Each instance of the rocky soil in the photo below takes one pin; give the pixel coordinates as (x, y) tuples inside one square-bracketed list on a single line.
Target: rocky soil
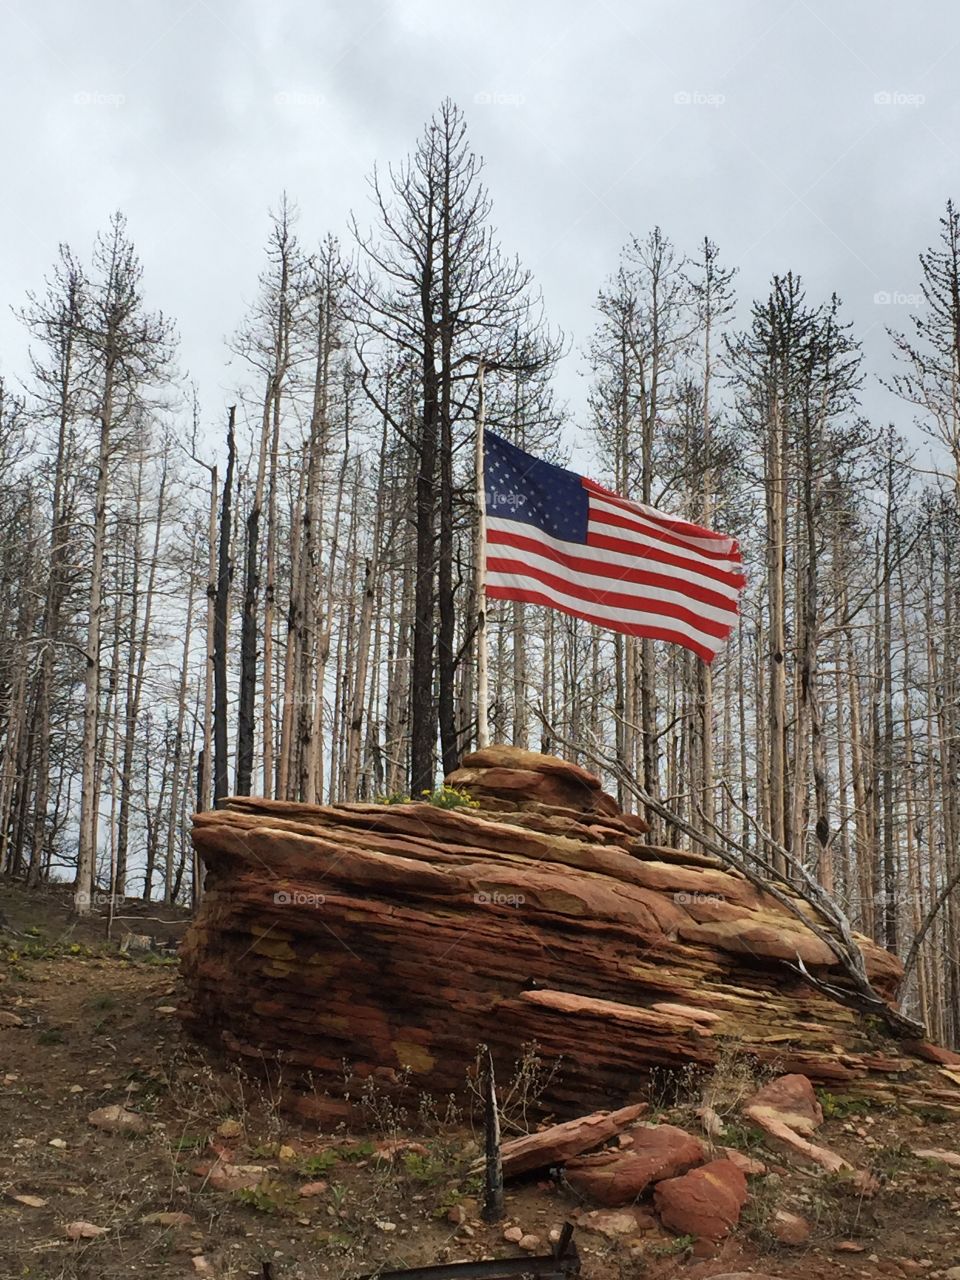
[(126, 1151)]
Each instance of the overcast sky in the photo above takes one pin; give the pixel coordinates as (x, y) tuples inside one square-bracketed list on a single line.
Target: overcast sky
[(817, 135)]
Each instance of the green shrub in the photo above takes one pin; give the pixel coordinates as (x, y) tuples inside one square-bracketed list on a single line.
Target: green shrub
[(450, 798)]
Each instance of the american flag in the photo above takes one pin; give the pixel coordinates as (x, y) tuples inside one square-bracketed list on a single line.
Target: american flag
[(558, 539)]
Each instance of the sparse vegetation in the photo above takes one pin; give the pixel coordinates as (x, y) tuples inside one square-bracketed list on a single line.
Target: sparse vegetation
[(679, 1247), (269, 1196), (836, 1107), (310, 1166), (51, 1036), (519, 1096)]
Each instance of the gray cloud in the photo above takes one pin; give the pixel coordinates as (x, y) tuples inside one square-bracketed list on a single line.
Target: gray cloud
[(799, 135)]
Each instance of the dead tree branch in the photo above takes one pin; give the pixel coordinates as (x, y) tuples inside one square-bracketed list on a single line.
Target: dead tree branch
[(829, 924)]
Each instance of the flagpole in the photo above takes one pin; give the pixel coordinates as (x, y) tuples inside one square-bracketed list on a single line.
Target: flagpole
[(483, 729)]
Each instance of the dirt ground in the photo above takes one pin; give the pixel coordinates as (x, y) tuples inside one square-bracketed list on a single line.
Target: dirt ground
[(98, 1028)]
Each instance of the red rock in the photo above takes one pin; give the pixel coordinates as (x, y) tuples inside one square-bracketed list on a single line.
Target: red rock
[(117, 1119), (615, 1222), (562, 1141), (705, 1202), (932, 1052), (746, 1164), (790, 1228), (937, 1153), (233, 1177), (521, 777), (84, 1231), (792, 1100), (171, 1219), (849, 1246), (500, 756), (311, 1189), (398, 937), (786, 1109), (619, 1177)]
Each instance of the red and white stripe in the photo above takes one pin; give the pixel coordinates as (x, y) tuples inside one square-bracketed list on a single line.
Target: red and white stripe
[(640, 572)]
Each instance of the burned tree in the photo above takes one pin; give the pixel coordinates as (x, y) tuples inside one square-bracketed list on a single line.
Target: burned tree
[(438, 288)]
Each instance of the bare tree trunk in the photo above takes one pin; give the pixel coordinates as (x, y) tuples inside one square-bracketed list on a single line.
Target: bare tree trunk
[(139, 644), (89, 798), (246, 707), (324, 639), (177, 780), (858, 771), (133, 350), (891, 931), (204, 787), (267, 343), (221, 621), (50, 631), (288, 761), (776, 552), (370, 578), (309, 686), (268, 787)]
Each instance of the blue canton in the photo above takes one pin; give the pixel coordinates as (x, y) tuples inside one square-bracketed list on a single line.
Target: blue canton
[(522, 488)]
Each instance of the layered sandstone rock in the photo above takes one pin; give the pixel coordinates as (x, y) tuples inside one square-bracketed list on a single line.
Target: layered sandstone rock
[(510, 778), (389, 941)]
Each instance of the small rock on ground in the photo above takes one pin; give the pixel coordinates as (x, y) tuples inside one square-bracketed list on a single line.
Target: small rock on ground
[(84, 1231), (117, 1119)]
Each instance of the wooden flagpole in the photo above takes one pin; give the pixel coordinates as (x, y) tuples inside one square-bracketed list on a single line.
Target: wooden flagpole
[(483, 729)]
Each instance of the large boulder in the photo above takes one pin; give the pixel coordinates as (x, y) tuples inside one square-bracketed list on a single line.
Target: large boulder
[(613, 1178), (705, 1202), (396, 938)]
